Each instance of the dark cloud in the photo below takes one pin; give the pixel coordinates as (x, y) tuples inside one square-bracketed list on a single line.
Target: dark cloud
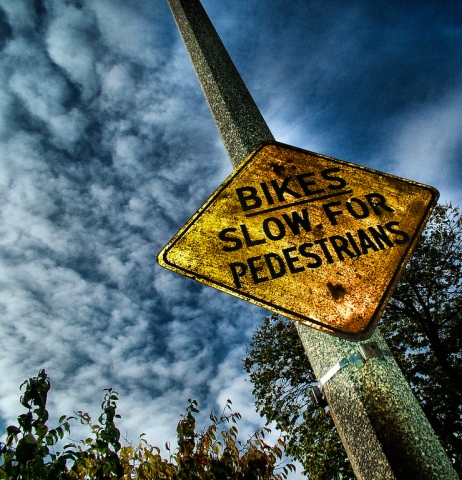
[(345, 67), (6, 32)]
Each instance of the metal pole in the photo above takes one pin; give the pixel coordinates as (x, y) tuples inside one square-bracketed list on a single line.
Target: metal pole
[(382, 426)]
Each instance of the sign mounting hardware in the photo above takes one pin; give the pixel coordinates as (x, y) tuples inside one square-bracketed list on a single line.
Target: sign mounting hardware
[(319, 240)]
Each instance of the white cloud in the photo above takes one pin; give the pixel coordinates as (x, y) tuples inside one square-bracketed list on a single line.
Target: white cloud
[(428, 144), (73, 43), (129, 29)]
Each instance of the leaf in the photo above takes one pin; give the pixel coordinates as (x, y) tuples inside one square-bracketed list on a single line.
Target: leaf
[(12, 430), (26, 449)]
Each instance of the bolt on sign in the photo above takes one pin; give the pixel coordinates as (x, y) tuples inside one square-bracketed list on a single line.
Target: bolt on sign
[(316, 239)]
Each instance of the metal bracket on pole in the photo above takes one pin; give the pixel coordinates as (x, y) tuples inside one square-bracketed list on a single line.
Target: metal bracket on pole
[(366, 351)]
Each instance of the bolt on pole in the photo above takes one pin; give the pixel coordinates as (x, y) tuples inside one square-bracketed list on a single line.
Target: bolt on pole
[(380, 422)]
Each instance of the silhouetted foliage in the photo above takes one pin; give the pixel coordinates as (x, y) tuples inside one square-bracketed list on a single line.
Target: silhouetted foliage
[(214, 453)]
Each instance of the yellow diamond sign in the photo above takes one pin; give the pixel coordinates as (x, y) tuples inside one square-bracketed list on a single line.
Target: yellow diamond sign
[(316, 239)]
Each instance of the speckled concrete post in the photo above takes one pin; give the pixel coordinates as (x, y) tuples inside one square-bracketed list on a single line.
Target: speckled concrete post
[(382, 426)]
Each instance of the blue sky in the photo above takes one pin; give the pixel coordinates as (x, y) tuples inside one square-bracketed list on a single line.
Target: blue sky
[(108, 147)]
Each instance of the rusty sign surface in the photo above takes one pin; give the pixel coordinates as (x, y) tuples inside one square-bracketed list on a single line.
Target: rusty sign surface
[(319, 240)]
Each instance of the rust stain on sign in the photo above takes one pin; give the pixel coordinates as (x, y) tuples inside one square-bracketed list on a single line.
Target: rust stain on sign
[(319, 240)]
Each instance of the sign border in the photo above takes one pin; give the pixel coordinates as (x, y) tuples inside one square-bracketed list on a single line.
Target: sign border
[(163, 260)]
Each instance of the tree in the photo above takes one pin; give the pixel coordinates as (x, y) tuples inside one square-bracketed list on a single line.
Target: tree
[(214, 453), (423, 328)]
